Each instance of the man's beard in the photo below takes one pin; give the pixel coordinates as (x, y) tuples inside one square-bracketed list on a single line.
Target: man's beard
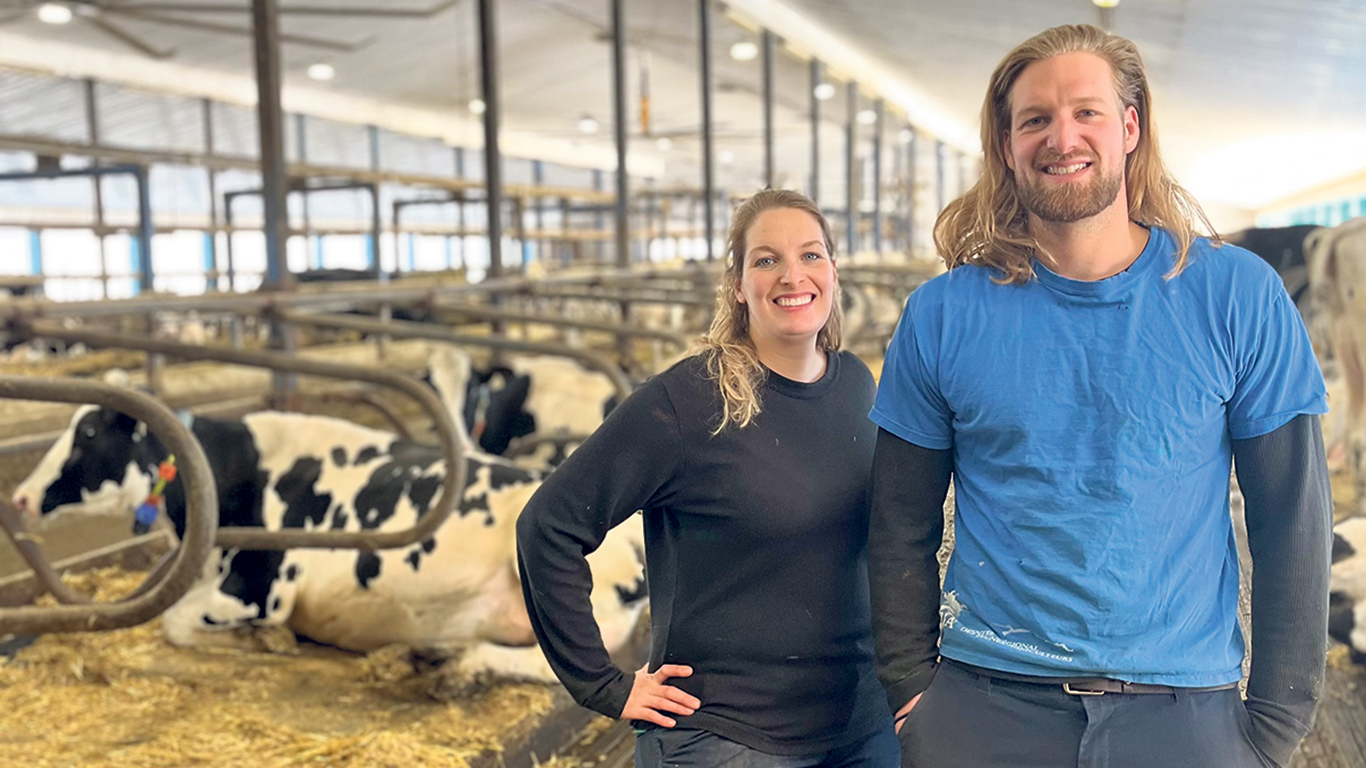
[(1066, 203)]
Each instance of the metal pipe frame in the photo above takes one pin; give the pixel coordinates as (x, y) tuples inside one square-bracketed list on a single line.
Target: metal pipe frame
[(622, 331), (256, 538), (880, 109), (144, 228), (92, 121), (623, 200), (304, 187), (211, 281), (270, 119), (768, 47), (301, 139), (201, 516), (638, 298), (404, 329), (816, 77), (493, 158), (708, 182), (850, 172)]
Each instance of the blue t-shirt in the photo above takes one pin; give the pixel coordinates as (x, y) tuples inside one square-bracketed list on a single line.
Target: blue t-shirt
[(1090, 424)]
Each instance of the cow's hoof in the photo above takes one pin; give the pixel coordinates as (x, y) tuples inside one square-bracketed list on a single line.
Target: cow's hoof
[(452, 683), (276, 639), (389, 664)]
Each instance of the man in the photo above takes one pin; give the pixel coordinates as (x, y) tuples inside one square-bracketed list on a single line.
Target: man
[(1086, 372)]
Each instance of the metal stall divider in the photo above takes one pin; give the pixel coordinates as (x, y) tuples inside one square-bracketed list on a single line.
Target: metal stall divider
[(256, 538), (164, 586)]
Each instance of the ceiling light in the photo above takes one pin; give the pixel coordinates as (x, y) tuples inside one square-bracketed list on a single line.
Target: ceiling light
[(588, 124), (744, 51), (477, 106), (664, 143), (907, 135), (1105, 3), (824, 91), (867, 117), (727, 157), (322, 71), (54, 13)]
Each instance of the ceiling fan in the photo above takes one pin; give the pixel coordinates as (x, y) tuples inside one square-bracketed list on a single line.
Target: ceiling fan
[(111, 17)]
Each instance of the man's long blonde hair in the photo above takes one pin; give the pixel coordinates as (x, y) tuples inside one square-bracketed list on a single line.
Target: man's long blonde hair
[(988, 224), (731, 358)]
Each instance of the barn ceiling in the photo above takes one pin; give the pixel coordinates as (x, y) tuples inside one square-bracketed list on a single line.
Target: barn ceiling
[(1256, 98)]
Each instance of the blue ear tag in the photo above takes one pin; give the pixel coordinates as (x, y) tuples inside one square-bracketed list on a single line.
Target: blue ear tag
[(144, 517)]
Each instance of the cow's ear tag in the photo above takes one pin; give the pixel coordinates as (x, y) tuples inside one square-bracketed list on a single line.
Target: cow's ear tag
[(147, 512)]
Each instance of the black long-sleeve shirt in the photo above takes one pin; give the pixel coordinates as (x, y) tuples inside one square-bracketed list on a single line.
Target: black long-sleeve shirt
[(1288, 507), (756, 543)]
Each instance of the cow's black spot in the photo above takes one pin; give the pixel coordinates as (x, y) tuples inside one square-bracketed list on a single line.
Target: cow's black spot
[(366, 455), (639, 591), (339, 456), (414, 558), (102, 447), (1341, 617), (292, 573), (422, 491), (302, 502), (339, 520), (367, 568), (429, 545), (275, 605), (1342, 549), (250, 577)]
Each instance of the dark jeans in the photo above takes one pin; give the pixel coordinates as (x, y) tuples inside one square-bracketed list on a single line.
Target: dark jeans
[(968, 720), (693, 748)]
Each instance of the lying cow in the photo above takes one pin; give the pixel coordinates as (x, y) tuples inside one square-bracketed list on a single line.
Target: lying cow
[(1347, 587), (548, 397), (455, 595), (1337, 279)]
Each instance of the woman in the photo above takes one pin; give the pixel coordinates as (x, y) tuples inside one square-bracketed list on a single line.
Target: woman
[(750, 462)]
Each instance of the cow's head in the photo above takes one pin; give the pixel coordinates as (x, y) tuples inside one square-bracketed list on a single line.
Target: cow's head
[(98, 465)]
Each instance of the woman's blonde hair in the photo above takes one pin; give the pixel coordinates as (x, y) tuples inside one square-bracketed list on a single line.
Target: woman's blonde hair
[(988, 224), (730, 355)]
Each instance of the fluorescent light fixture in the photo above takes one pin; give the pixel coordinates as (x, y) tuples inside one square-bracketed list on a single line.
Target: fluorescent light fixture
[(54, 13), (867, 117), (906, 135), (824, 91), (322, 71), (727, 157), (1105, 3), (588, 124), (664, 143), (477, 106), (744, 51)]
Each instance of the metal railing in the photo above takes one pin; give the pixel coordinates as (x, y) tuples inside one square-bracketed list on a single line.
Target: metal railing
[(165, 585)]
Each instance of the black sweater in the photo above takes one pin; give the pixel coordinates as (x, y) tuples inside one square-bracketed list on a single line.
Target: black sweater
[(1288, 506), (756, 544)]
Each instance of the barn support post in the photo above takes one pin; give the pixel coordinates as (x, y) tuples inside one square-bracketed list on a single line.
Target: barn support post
[(708, 182)]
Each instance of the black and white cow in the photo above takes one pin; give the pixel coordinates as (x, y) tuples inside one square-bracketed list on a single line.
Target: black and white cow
[(1281, 247), (455, 595), (1347, 586), (549, 397)]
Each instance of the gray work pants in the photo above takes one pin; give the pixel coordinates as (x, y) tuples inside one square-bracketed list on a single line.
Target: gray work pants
[(969, 720)]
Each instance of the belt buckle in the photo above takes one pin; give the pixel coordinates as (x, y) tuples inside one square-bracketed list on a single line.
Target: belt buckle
[(1067, 688)]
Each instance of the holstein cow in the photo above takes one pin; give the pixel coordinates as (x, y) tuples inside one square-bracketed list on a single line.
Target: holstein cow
[(536, 396), (1337, 277), (454, 596), (1282, 248), (1347, 587)]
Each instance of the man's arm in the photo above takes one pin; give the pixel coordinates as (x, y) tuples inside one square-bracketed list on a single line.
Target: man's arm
[(905, 531), (1284, 479)]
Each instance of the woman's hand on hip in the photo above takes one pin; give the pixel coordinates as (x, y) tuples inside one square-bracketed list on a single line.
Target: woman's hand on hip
[(652, 696), (905, 712)]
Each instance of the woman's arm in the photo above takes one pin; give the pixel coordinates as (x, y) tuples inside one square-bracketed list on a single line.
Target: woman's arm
[(626, 465)]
